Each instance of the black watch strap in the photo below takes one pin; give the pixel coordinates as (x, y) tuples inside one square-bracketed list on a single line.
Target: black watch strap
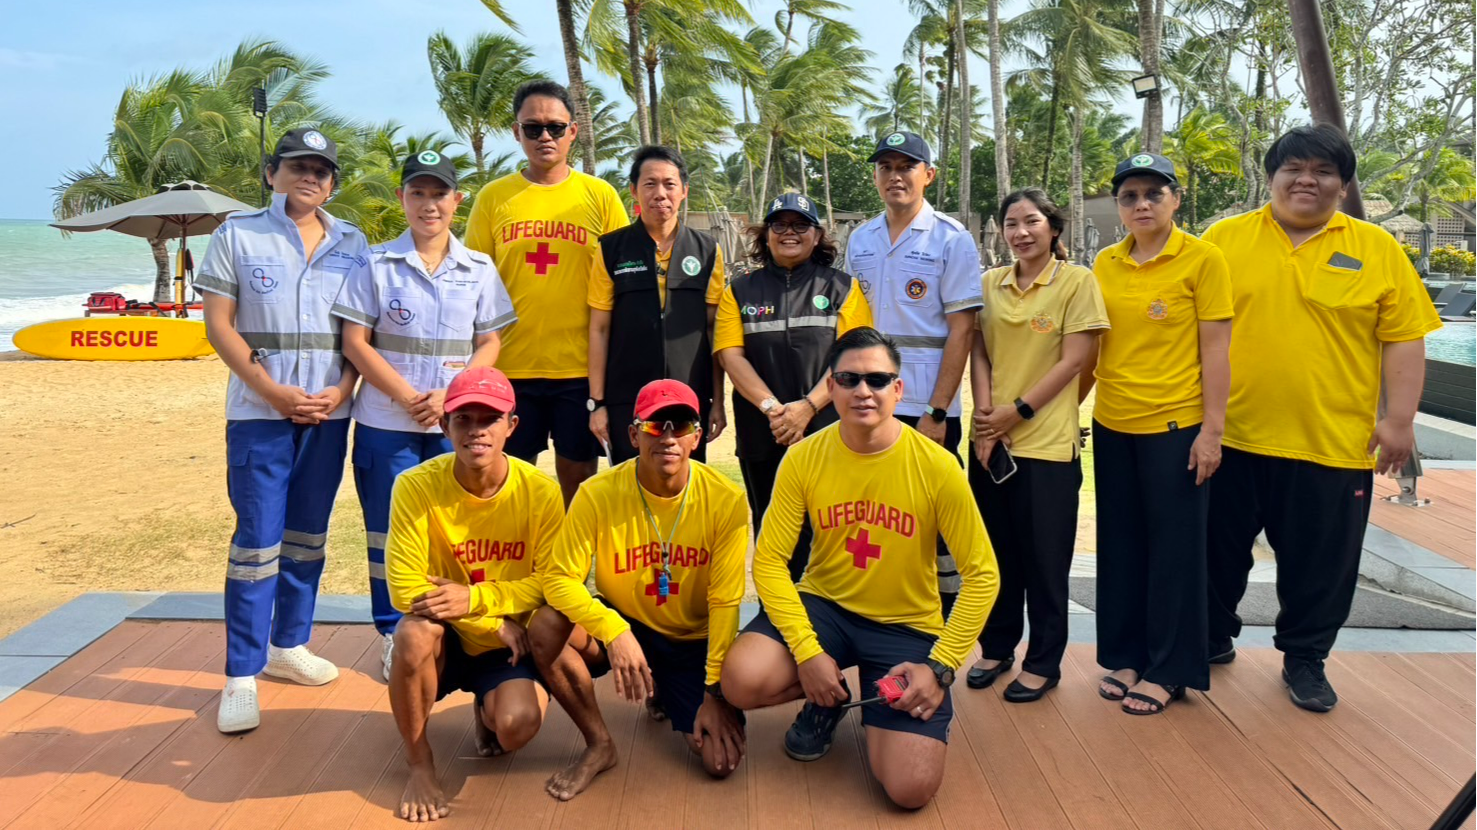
[(714, 689), (942, 673), (1024, 408), (938, 415)]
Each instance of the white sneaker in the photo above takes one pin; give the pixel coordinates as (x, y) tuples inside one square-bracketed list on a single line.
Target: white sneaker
[(238, 709), (300, 666), (387, 653)]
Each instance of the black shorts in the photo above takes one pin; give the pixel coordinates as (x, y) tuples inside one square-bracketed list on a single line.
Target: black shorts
[(874, 648), (678, 667), (480, 674), (553, 408)]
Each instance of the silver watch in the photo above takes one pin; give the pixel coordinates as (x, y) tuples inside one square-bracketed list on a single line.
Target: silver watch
[(769, 403)]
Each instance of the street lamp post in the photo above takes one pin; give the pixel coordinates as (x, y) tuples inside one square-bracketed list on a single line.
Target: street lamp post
[(259, 109)]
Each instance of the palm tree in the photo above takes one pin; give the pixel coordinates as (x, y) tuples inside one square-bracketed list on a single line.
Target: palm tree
[(816, 11), (475, 86), (997, 101), (577, 88), (966, 109), (1203, 143), (1151, 35), (897, 105)]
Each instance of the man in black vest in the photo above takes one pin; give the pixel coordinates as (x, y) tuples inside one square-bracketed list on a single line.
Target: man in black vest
[(649, 321)]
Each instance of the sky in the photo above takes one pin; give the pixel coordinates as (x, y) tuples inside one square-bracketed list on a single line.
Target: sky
[(63, 65)]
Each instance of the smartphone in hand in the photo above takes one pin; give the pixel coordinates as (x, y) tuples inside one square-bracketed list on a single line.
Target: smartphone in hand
[(1002, 463)]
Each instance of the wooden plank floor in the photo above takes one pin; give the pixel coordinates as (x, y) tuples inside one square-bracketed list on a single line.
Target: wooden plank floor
[(1448, 525), (123, 735)]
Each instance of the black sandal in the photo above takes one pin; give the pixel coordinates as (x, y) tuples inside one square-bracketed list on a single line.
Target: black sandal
[(1115, 683), (983, 678), (1175, 693)]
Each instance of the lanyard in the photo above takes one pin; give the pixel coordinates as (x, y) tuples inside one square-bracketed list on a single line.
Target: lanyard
[(664, 579)]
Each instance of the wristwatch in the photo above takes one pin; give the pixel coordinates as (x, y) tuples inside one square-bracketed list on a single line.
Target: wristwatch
[(714, 689), (1024, 408), (943, 673), (769, 403), (938, 415), (593, 404)]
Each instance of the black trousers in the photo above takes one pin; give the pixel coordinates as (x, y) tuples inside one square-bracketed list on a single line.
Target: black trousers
[(759, 476), (1315, 518), (1032, 522), (948, 571), (620, 418), (1151, 556)]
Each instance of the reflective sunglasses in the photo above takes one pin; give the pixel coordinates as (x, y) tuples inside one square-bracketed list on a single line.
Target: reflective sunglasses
[(657, 429), (532, 130), (877, 380), (1153, 197), (797, 228)]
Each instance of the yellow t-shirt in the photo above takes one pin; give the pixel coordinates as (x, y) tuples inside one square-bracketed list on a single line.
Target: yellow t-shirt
[(602, 287), (1023, 336), (608, 525), (544, 240), (876, 519), (439, 529), (1310, 321), (728, 326), (1148, 368)]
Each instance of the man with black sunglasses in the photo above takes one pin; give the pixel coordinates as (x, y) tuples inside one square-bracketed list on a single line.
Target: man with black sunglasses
[(878, 494), (668, 537), (542, 227)]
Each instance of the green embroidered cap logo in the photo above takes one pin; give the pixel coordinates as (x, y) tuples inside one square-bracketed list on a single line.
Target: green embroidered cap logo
[(1142, 160), (821, 302), (895, 139), (690, 266), (429, 157)]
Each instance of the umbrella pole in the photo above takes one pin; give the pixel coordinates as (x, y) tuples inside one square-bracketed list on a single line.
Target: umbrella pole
[(179, 277)]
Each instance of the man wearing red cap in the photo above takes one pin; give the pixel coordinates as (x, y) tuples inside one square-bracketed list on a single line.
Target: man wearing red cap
[(466, 529), (668, 536)]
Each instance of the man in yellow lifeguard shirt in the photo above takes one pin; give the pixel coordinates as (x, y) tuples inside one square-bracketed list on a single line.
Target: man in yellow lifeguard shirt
[(1325, 306), (668, 537), (542, 227), (878, 494), (465, 531)]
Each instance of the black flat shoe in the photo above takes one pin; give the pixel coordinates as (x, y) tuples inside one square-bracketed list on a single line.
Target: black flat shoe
[(982, 678), (1018, 692), (1222, 652)]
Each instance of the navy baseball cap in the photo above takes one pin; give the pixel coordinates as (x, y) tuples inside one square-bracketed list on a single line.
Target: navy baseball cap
[(1144, 163), (911, 145), (803, 205), (429, 163), (306, 141)]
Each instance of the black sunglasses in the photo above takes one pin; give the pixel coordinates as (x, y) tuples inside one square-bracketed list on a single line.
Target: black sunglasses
[(797, 228), (876, 380), (532, 130)]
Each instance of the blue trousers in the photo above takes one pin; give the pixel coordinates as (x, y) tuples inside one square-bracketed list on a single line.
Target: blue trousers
[(282, 479), (379, 456)]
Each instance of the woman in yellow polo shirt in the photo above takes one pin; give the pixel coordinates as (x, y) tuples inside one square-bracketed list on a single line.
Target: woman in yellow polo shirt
[(1163, 376), (1037, 329)]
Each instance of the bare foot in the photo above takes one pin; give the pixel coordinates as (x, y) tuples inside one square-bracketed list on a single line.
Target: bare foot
[(423, 799), (1127, 677), (483, 738), (574, 779)]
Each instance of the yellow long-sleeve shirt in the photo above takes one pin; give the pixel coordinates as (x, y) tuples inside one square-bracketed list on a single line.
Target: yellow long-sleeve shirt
[(608, 525), (439, 529), (876, 518)]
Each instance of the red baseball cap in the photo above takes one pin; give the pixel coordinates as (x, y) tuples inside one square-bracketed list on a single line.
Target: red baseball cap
[(480, 384), (660, 394)]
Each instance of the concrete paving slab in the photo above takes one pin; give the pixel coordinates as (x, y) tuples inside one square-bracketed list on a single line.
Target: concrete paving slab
[(16, 673), (70, 628)]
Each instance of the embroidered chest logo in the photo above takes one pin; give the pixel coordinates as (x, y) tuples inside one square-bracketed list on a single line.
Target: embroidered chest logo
[(866, 286), (821, 302), (862, 550), (1042, 323), (542, 259), (757, 310), (655, 588), (1158, 310), (690, 266), (917, 289), (399, 313), (261, 282)]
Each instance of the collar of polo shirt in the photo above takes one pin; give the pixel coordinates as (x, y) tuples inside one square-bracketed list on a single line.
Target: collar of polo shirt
[(1172, 247), (403, 247)]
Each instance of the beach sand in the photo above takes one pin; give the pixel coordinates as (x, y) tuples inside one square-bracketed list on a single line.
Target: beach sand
[(114, 480)]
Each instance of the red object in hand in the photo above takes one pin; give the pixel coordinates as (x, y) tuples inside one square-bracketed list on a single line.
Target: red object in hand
[(891, 688)]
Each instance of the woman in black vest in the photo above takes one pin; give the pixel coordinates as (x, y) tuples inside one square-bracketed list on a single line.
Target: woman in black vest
[(774, 328)]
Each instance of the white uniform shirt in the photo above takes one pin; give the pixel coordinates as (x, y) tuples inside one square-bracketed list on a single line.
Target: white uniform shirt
[(932, 271), (283, 299), (424, 325)]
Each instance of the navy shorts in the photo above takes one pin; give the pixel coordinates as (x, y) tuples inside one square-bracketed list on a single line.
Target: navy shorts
[(479, 674), (874, 648), (556, 408), (678, 667)]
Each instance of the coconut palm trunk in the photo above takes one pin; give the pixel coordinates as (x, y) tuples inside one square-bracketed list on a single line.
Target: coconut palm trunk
[(652, 105), (577, 89), (764, 175), (162, 277), (1056, 97), (966, 115), (997, 103), (948, 108), (633, 53), (1079, 212), (1151, 23), (831, 215), (804, 191)]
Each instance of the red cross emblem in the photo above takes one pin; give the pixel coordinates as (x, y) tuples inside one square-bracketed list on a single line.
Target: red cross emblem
[(862, 549), (478, 576), (541, 259), (653, 591)]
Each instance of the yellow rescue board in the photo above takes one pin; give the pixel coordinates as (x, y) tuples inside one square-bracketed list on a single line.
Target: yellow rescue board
[(115, 338)]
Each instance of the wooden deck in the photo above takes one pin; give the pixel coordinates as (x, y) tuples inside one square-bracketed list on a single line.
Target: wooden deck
[(1447, 526), (123, 735)]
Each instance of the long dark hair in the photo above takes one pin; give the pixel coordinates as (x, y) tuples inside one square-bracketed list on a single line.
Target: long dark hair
[(1054, 215), (823, 255)]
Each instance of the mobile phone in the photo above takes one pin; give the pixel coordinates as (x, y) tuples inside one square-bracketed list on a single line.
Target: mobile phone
[(1002, 463)]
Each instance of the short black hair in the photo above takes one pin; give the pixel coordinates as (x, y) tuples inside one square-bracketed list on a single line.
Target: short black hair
[(546, 88), (863, 337), (825, 254), (656, 152), (1316, 142)]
